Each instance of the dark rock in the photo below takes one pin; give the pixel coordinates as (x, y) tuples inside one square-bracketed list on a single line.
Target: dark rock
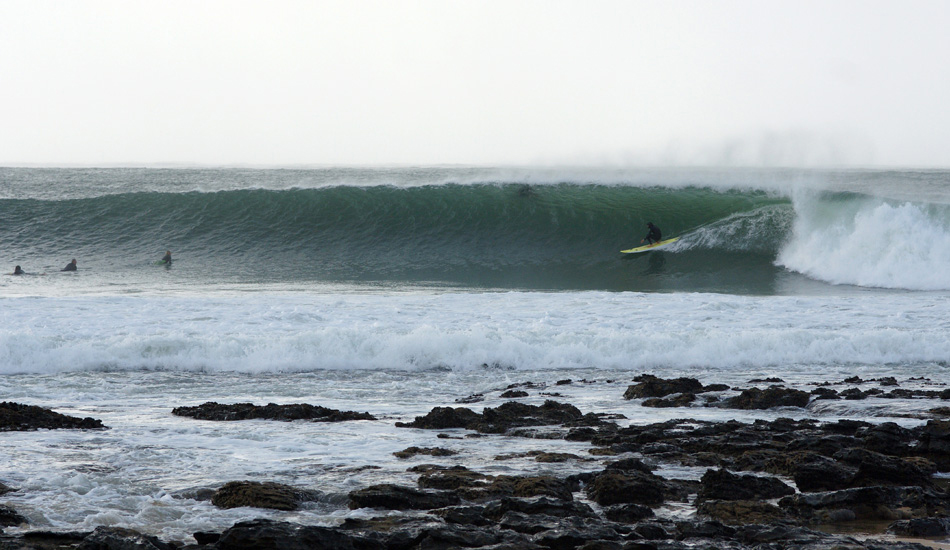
[(264, 534), (866, 503), (452, 478), (570, 533), (628, 513), (204, 537), (500, 419), (652, 531), (774, 396), (496, 509), (465, 515), (19, 417), (45, 540), (878, 469), (627, 487), (256, 494), (514, 394), (888, 438), (920, 527), (117, 538), (770, 380), (825, 393), (681, 400), (525, 487), (10, 517), (888, 381), (724, 485), (442, 418), (271, 411), (741, 512), (935, 443), (4, 489), (431, 451), (651, 386), (397, 497), (822, 474), (703, 530), (629, 465)]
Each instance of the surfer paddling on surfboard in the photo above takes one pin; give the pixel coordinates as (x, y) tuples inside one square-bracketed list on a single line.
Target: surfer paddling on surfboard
[(653, 235)]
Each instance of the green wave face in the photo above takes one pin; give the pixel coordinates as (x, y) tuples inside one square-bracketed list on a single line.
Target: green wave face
[(563, 236)]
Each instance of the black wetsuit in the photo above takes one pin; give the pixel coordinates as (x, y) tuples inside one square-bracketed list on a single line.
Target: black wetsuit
[(654, 235), (167, 259), (18, 271), (70, 267)]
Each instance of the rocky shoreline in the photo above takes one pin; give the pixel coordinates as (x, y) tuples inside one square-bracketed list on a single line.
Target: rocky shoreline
[(768, 484)]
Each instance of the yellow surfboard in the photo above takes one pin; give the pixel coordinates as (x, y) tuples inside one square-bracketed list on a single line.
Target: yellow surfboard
[(649, 247)]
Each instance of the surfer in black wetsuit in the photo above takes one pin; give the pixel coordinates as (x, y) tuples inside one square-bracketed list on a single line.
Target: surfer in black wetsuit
[(167, 259), (71, 266), (18, 271), (653, 235)]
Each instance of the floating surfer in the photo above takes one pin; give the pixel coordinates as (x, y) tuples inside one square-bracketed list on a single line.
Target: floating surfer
[(71, 266), (166, 259), (18, 271)]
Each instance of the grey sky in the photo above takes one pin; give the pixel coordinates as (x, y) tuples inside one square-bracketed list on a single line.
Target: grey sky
[(496, 82)]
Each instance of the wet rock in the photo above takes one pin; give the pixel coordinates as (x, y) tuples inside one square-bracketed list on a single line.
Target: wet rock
[(502, 418), (4, 489), (496, 509), (935, 443), (774, 396), (453, 478), (264, 534), (651, 386), (442, 418), (525, 486), (724, 485), (256, 494), (920, 527), (822, 474), (571, 533), (271, 411), (825, 393), (514, 394), (633, 487), (681, 400), (878, 469), (688, 530), (741, 512), (866, 503), (396, 497), (19, 417), (628, 513), (10, 517), (431, 451), (117, 538)]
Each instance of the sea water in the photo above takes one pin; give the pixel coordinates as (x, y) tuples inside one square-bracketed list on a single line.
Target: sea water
[(394, 291)]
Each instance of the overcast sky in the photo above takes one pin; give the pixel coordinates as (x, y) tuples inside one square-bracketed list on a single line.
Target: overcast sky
[(625, 82)]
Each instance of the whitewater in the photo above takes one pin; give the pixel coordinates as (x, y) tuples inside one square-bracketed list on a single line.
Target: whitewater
[(395, 290)]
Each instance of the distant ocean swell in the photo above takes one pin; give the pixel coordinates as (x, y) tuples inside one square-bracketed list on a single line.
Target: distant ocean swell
[(563, 236)]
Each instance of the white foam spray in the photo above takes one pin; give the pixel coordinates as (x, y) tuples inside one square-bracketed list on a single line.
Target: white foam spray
[(870, 242)]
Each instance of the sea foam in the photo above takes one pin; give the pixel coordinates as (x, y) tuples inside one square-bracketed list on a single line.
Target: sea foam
[(297, 333), (871, 242)]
